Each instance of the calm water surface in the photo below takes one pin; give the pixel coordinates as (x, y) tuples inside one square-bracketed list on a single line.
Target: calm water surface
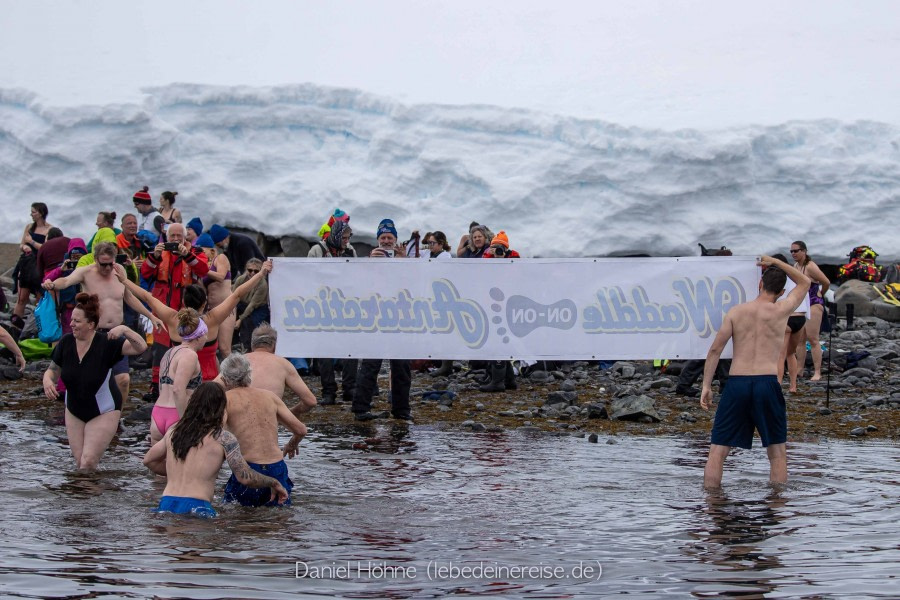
[(379, 508)]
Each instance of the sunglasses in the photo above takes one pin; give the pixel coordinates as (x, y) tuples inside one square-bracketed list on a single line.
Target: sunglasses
[(104, 265), (253, 271), (795, 251)]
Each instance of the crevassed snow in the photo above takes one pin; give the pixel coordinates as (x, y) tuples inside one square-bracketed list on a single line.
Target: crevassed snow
[(280, 159)]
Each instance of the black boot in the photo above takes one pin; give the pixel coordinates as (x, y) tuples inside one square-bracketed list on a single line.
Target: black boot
[(510, 378), (498, 375)]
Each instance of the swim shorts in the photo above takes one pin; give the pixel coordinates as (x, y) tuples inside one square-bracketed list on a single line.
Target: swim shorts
[(121, 367), (235, 491), (748, 402), (186, 506), (796, 323)]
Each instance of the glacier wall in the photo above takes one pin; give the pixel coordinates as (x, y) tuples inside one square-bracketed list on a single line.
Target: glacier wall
[(280, 159)]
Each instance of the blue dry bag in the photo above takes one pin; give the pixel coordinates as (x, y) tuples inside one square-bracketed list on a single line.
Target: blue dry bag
[(47, 319)]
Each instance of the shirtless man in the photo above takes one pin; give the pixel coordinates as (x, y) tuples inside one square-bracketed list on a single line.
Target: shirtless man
[(273, 373), (253, 417), (100, 279), (753, 396), (191, 453)]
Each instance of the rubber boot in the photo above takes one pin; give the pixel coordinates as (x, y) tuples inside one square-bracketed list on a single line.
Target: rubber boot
[(510, 379), (498, 375), (445, 369)]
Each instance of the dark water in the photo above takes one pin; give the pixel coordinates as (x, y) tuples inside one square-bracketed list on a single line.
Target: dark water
[(383, 516)]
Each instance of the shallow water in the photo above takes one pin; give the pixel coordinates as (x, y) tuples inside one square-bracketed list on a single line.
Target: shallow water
[(379, 508)]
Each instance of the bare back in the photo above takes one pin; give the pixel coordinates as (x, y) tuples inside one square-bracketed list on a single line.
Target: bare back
[(758, 333), (195, 476), (269, 371), (253, 419)]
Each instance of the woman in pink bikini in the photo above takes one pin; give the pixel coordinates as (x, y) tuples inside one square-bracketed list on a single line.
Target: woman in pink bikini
[(179, 374)]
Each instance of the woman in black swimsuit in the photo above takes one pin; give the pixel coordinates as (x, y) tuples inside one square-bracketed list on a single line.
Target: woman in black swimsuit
[(167, 207), (84, 360), (26, 276)]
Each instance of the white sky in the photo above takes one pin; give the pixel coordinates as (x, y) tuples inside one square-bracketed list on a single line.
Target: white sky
[(668, 64)]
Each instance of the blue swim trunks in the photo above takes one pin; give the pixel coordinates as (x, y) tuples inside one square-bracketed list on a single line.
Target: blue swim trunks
[(186, 506), (235, 491), (748, 402)]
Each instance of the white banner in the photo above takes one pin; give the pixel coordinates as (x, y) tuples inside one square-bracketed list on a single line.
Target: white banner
[(537, 309)]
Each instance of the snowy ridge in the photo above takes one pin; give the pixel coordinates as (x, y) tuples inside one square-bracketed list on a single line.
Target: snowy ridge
[(280, 159)]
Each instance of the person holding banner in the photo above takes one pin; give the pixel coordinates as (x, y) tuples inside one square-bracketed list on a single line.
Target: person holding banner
[(401, 375), (753, 399), (503, 377)]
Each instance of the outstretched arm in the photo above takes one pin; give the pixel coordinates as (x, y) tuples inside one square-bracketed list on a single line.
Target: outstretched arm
[(134, 342), (7, 340), (712, 360), (139, 307), (221, 312), (168, 315), (242, 470), (76, 276)]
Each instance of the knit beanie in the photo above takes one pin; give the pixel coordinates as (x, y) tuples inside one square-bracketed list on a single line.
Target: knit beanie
[(324, 231), (204, 241), (143, 196), (196, 224), (386, 226), (336, 237), (500, 240), (218, 233)]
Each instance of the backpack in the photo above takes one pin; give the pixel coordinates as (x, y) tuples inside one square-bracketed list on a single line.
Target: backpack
[(47, 320), (861, 266), (889, 292)]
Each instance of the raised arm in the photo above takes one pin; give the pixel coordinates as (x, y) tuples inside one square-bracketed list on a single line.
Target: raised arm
[(221, 312), (242, 470), (168, 315), (793, 300), (7, 340), (712, 360)]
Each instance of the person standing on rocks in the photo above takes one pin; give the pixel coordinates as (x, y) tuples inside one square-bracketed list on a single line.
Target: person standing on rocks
[(753, 399), (336, 245), (401, 375), (503, 377)]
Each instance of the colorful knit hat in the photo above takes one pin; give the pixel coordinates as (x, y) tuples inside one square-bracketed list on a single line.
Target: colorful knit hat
[(500, 240), (143, 196)]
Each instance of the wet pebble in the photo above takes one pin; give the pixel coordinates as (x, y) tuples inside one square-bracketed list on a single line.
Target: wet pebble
[(871, 428), (593, 438), (568, 385), (858, 431), (825, 411)]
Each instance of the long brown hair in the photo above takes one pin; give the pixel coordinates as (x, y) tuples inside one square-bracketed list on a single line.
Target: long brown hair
[(202, 417)]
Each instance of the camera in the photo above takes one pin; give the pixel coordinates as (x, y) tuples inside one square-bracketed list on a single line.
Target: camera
[(171, 246), (389, 252), (70, 264), (499, 251), (121, 258)]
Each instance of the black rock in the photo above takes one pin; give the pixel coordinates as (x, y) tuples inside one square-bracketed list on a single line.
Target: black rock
[(561, 398), (857, 431), (633, 408), (593, 438), (825, 411), (597, 411), (10, 373), (567, 386)]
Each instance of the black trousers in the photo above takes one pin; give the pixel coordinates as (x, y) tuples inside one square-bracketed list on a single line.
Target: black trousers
[(693, 370), (348, 377), (366, 378)]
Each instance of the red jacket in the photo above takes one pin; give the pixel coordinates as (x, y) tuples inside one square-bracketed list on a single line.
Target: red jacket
[(173, 273)]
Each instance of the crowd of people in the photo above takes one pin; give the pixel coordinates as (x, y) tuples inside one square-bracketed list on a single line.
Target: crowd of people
[(199, 288)]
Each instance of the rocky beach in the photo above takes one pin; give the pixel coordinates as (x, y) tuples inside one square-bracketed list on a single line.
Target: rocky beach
[(859, 399)]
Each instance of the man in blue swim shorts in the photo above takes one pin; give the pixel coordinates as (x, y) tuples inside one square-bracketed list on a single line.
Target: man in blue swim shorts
[(752, 399), (253, 418)]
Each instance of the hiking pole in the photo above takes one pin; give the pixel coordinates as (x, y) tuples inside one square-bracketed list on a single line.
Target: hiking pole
[(831, 315)]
